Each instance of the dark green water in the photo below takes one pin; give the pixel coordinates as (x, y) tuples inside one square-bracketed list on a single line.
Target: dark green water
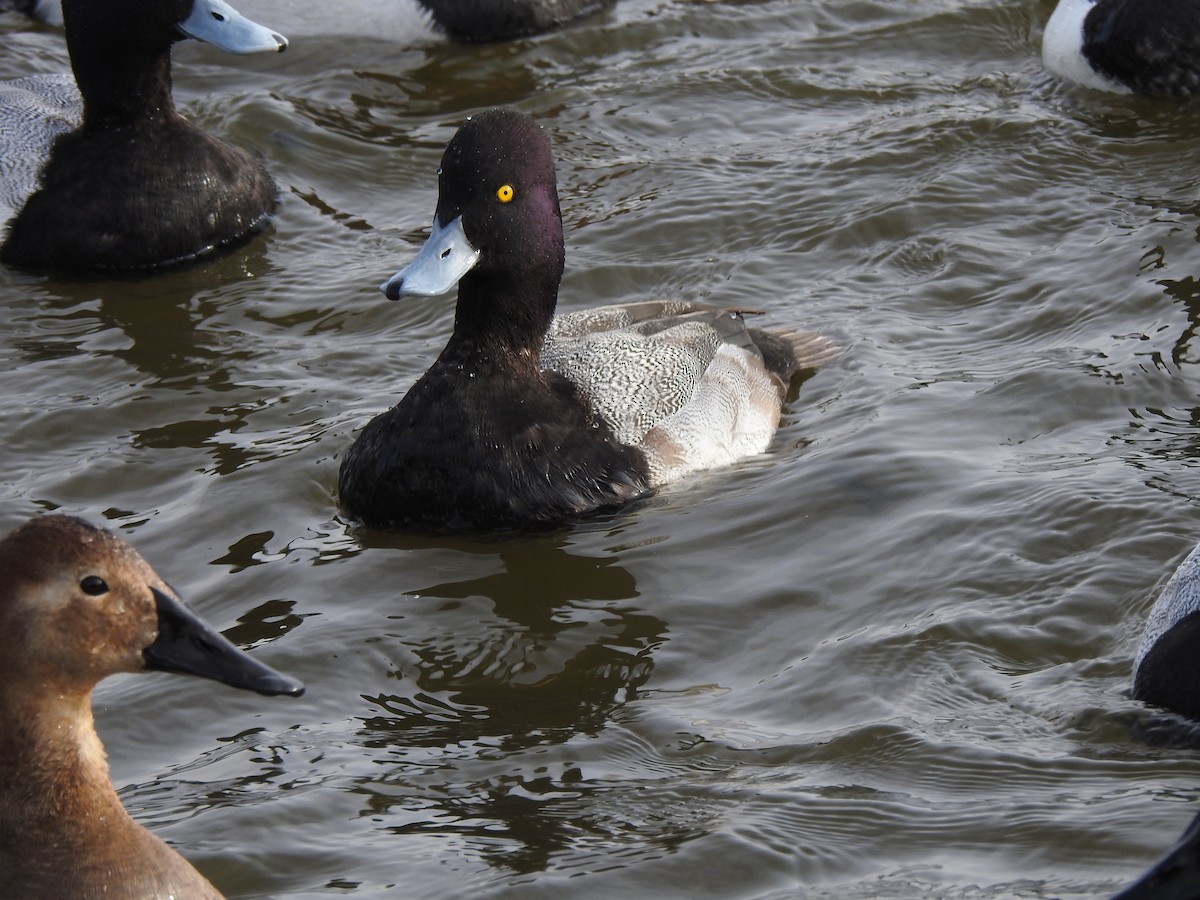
[(889, 658)]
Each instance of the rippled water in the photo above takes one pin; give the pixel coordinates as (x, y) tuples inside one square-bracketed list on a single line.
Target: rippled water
[(890, 658)]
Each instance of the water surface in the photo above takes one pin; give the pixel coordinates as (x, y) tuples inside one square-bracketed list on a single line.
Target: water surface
[(889, 658)]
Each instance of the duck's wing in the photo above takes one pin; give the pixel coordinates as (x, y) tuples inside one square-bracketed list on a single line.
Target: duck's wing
[(688, 383), (647, 316), (638, 363), (784, 352), (34, 110)]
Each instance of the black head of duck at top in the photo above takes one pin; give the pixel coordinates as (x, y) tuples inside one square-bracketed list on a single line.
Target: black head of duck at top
[(483, 21), (102, 172), (1149, 47), (527, 419), (79, 604)]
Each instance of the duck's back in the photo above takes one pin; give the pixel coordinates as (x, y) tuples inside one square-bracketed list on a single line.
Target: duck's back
[(478, 447), (1165, 672)]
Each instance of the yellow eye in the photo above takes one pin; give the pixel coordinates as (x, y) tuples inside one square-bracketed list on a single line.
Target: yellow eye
[(504, 193)]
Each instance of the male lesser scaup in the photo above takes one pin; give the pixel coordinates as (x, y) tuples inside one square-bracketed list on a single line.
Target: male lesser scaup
[(117, 179), (467, 21), (77, 604), (1147, 47), (1165, 672), (524, 421)]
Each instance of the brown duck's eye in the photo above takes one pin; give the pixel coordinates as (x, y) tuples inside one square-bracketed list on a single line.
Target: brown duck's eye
[(94, 585), (505, 193)]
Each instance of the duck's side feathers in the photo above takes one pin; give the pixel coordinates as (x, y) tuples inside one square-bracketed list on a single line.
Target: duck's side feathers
[(1149, 47), (33, 112), (1062, 47), (1165, 673), (635, 380), (733, 413), (1176, 876), (688, 383)]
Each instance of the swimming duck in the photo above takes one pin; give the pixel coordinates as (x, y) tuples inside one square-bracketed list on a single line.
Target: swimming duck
[(112, 177), (1165, 672), (1149, 47), (78, 604), (466, 21), (526, 419), (1174, 877)]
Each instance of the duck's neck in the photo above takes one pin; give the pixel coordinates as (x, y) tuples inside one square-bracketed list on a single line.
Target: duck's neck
[(503, 318), (62, 827), (121, 85), (52, 764)]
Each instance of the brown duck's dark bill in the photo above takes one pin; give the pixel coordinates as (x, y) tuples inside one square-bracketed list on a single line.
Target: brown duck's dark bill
[(189, 645)]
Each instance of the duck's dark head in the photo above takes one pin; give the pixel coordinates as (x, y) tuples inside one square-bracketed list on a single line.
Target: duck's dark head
[(498, 221)]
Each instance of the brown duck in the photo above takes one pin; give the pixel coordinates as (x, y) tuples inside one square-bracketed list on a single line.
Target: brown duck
[(77, 603)]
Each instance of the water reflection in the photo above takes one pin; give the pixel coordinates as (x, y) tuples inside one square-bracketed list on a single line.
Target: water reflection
[(1186, 292), (538, 652), (528, 658), (160, 314)]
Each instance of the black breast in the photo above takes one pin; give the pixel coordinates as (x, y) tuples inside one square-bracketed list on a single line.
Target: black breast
[(138, 197), (485, 451)]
